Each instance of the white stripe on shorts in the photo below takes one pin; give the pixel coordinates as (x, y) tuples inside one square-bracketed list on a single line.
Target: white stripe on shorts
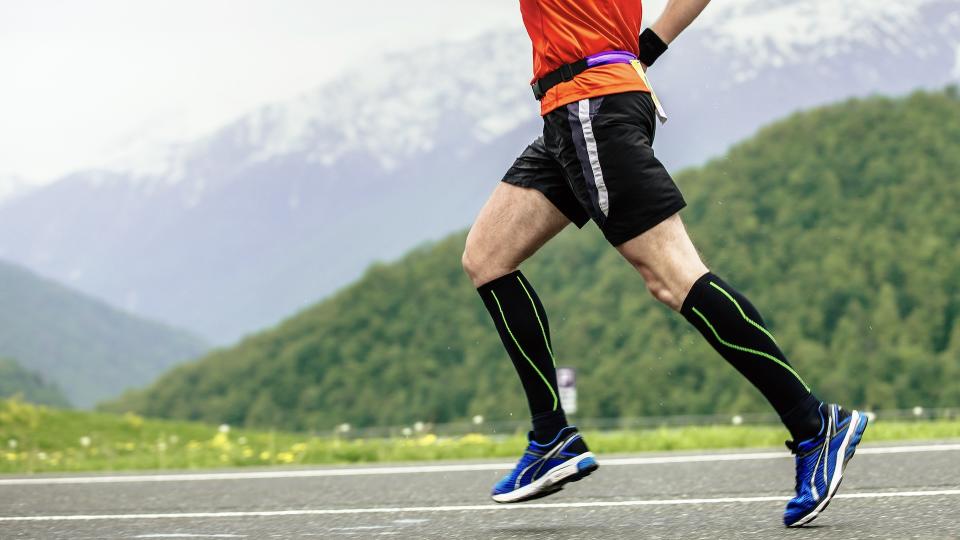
[(587, 125)]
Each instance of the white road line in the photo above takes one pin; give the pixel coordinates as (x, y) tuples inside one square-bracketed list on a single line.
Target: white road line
[(188, 535), (472, 508), (425, 469)]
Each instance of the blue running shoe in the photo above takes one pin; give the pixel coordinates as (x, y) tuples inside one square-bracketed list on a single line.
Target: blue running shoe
[(820, 464), (545, 468)]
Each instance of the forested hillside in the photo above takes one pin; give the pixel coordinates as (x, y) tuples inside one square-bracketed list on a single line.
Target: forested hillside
[(841, 224), (16, 381), (89, 349)]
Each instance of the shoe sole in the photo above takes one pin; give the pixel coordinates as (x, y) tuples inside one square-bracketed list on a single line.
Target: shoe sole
[(858, 424), (572, 470)]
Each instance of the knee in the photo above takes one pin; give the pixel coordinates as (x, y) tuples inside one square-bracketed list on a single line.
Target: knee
[(471, 264), (666, 291), (480, 268), (664, 294)]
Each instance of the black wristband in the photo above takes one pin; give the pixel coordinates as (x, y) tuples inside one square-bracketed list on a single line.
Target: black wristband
[(651, 47)]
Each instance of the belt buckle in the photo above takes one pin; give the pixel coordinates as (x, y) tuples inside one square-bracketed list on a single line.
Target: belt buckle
[(537, 92)]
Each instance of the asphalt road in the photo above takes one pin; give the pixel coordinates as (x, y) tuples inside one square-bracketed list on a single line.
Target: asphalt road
[(888, 492)]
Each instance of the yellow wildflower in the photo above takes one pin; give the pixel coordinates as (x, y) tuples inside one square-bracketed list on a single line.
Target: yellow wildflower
[(474, 438), (220, 440), (427, 440), (133, 420)]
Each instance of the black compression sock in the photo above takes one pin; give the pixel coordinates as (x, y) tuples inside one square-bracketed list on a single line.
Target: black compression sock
[(736, 330), (546, 426), (522, 323), (805, 421)]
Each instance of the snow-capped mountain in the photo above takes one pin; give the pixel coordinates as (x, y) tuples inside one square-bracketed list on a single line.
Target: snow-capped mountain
[(288, 203), (757, 60), (388, 114)]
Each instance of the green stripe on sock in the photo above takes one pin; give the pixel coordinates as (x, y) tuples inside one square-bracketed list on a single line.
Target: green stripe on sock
[(542, 331), (744, 315), (751, 351), (534, 366)]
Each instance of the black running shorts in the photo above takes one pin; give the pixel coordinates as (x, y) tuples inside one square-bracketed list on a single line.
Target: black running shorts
[(595, 161)]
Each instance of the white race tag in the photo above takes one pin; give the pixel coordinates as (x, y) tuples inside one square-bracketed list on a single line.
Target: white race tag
[(661, 114)]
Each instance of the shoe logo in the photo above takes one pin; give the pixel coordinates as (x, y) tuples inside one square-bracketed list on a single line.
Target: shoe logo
[(539, 463), (822, 457)]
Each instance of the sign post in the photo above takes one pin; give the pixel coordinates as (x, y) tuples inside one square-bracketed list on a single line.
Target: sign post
[(567, 383)]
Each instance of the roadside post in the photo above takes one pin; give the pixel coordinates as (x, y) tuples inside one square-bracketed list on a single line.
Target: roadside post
[(567, 384)]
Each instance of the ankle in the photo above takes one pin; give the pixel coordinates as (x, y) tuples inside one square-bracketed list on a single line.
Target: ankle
[(805, 420), (546, 426)]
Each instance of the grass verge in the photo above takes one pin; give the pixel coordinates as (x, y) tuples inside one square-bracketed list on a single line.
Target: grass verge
[(42, 439)]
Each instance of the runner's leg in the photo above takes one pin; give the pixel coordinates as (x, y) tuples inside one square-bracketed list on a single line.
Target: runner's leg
[(675, 275), (515, 222), (512, 226), (604, 144), (604, 147)]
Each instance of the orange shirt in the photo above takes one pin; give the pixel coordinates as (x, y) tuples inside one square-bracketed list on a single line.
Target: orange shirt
[(564, 31)]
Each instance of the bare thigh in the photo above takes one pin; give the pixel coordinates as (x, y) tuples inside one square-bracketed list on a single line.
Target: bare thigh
[(513, 224), (667, 259)]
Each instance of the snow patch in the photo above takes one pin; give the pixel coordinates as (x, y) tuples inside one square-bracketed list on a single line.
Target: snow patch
[(774, 33), (786, 26)]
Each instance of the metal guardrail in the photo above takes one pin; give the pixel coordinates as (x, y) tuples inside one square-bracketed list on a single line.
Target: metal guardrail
[(479, 425)]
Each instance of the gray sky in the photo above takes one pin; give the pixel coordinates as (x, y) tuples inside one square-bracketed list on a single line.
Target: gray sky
[(83, 80)]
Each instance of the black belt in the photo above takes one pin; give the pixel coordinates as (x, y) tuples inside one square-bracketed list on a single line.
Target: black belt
[(566, 73)]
